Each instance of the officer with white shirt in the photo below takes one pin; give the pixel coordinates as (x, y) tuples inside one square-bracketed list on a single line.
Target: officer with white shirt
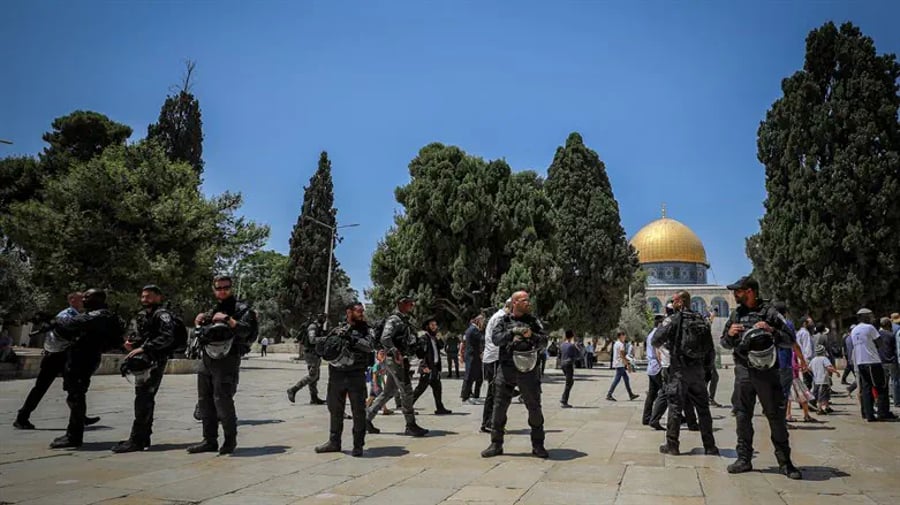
[(490, 360), (869, 370)]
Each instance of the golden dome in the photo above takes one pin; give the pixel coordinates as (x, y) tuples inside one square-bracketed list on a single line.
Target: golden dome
[(667, 240)]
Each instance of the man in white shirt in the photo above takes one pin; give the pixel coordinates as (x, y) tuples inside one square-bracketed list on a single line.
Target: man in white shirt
[(621, 365), (869, 370), (489, 359), (805, 341)]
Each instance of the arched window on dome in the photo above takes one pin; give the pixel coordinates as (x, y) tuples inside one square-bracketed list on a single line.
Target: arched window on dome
[(721, 304), (698, 305), (656, 306)]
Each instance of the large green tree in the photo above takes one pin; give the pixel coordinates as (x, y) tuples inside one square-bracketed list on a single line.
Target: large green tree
[(179, 128), (307, 270), (596, 260), (125, 218), (831, 150), (472, 233)]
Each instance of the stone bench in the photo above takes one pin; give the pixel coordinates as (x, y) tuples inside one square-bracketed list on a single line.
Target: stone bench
[(29, 365)]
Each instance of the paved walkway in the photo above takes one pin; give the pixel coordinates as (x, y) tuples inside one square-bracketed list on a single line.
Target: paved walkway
[(599, 453)]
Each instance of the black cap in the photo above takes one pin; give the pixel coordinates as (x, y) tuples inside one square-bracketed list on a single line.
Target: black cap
[(153, 288), (745, 282), (427, 321), (406, 298)]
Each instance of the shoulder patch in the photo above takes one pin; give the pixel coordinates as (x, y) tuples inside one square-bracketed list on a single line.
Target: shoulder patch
[(165, 317)]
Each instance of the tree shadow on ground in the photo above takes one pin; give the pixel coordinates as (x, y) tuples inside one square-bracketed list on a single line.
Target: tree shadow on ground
[(251, 452), (812, 473), (258, 422), (723, 453), (810, 427), (390, 451), (439, 433), (97, 427), (527, 431)]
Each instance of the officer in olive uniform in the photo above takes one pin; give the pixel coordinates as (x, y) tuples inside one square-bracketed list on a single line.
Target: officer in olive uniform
[(347, 379), (686, 381), (314, 332), (154, 338), (90, 333), (521, 338), (398, 341), (753, 331), (217, 379)]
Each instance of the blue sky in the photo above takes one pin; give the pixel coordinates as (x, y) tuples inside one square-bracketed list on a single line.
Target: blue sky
[(670, 94)]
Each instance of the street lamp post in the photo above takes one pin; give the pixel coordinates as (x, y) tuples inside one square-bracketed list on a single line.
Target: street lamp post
[(334, 230)]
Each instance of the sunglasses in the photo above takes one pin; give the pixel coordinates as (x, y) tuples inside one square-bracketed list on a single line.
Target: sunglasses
[(222, 288)]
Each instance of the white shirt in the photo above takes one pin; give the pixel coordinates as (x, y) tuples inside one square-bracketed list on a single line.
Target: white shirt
[(862, 338), (819, 366), (434, 349), (804, 340), (653, 365), (491, 352), (618, 349), (265, 341)]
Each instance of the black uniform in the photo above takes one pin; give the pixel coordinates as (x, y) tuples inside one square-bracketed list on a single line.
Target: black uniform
[(431, 359), (91, 334), (217, 379), (347, 378), (313, 364), (156, 336), (452, 348), (750, 383), (474, 351), (508, 337), (686, 382)]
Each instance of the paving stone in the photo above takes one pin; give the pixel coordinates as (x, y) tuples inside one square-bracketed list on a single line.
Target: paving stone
[(661, 481), (599, 454)]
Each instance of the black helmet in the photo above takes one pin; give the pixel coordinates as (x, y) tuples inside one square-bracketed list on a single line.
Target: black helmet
[(217, 339), (760, 346)]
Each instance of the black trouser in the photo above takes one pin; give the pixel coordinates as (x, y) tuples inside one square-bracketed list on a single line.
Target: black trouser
[(685, 392), (661, 404), (473, 378), (452, 362), (52, 365), (490, 374), (869, 377), (216, 385), (262, 351), (653, 392), (750, 384), (713, 384), (341, 385), (543, 359), (847, 370), (529, 383), (76, 382), (569, 372), (145, 403), (312, 378), (433, 379)]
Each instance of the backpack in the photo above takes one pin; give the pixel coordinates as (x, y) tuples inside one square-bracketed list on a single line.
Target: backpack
[(695, 336), (331, 346), (179, 345), (377, 329)]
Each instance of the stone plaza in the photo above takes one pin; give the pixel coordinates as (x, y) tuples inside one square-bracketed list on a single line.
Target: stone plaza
[(599, 452)]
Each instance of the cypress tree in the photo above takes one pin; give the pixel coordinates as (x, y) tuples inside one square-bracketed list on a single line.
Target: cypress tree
[(596, 261), (180, 127), (828, 241), (307, 269)]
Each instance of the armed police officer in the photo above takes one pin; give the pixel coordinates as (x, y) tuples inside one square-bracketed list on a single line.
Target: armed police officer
[(89, 334), (149, 348), (53, 363), (348, 348), (687, 336), (398, 341), (753, 331), (225, 334), (314, 331), (520, 337)]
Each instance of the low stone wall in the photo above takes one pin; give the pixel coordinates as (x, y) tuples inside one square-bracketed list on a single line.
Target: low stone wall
[(29, 365)]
